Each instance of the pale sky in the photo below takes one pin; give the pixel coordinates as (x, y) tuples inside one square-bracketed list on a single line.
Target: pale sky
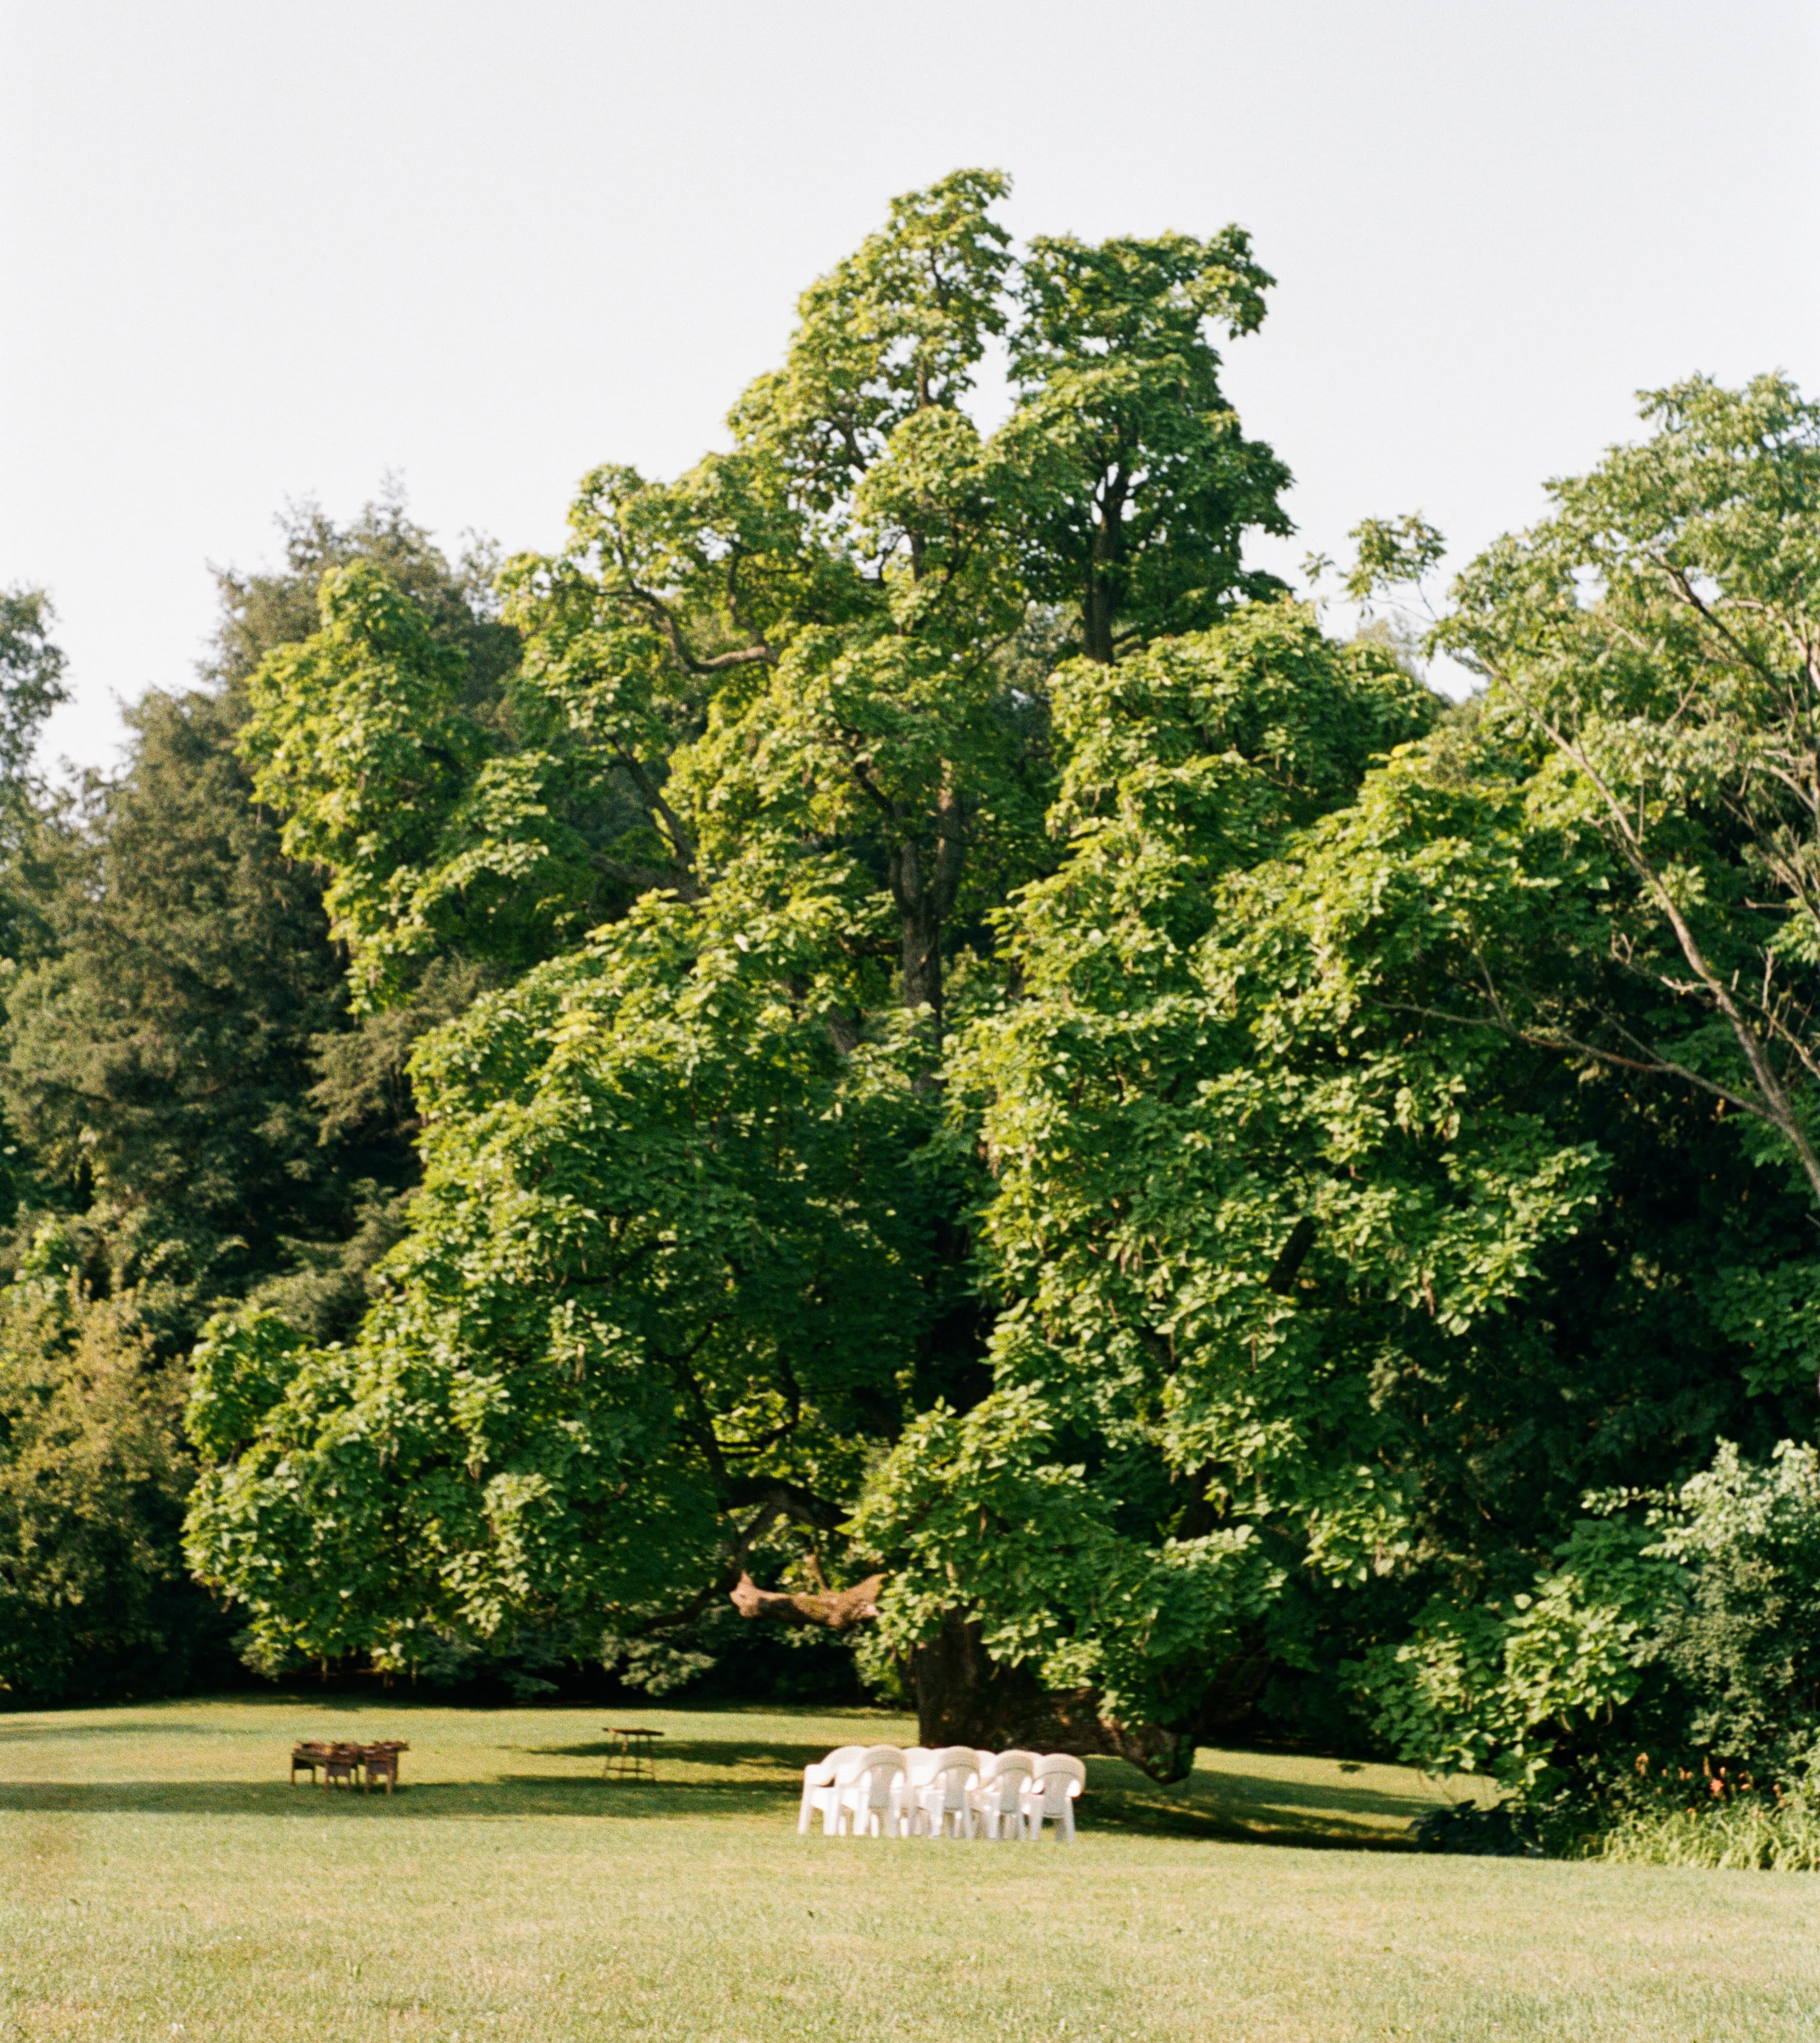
[(255, 253)]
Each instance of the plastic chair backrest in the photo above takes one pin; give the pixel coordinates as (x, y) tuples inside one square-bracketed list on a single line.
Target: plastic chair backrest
[(917, 1759), (830, 1768), (1007, 1780), (1058, 1778), (992, 1765), (878, 1765), (954, 1770)]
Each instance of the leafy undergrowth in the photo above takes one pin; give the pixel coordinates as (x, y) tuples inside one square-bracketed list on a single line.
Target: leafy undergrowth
[(1743, 1835), (158, 1878)]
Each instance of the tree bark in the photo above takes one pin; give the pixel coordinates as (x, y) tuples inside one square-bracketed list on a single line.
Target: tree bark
[(1097, 620), (1096, 600), (924, 880), (921, 927)]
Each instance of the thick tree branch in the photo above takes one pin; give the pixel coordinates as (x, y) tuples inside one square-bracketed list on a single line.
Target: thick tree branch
[(681, 840), (1292, 1256), (830, 1610), (717, 663)]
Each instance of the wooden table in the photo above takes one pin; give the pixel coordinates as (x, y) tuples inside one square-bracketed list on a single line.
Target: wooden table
[(341, 1762), (632, 1757), (309, 1753), (346, 1762), (380, 1761)]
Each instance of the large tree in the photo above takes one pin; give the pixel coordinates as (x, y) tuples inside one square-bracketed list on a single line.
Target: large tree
[(1028, 1102), (818, 666), (1641, 845)]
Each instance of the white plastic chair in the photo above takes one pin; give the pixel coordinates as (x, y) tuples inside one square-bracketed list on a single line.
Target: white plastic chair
[(919, 1764), (1056, 1781), (998, 1800), (952, 1773), (873, 1797), (820, 1783)]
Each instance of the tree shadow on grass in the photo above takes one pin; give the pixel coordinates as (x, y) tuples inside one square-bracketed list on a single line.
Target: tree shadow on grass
[(514, 1797), (719, 1778), (1226, 1785), (1218, 1802), (783, 1761), (134, 1719), (742, 1779), (511, 1796)]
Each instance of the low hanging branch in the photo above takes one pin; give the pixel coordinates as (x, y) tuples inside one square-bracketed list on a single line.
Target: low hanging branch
[(830, 1610)]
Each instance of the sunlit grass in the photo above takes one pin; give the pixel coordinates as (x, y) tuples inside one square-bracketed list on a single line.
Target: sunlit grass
[(158, 1877)]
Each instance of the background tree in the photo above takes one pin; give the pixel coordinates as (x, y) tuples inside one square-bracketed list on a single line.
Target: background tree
[(162, 1056), (31, 687), (1662, 631), (93, 1473), (192, 1115), (1138, 483), (1623, 897)]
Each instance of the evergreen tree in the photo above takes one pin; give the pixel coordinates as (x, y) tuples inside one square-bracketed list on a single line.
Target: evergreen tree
[(181, 1064)]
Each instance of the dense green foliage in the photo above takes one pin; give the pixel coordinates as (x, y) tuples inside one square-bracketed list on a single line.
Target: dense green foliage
[(92, 1478), (709, 1155), (1665, 1672), (193, 1117), (894, 1042), (1645, 915)]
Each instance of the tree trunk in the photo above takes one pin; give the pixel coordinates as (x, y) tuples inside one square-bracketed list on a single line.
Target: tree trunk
[(1097, 620), (921, 926), (925, 879), (962, 1698), (1098, 601), (948, 1674)]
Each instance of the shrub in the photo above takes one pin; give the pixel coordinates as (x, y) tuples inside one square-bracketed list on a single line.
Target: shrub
[(1656, 1695), (94, 1595), (1746, 1832)]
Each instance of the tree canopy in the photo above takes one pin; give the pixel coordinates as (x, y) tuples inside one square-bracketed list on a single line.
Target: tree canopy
[(895, 1040)]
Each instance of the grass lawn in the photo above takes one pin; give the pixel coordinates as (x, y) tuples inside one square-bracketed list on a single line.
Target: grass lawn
[(158, 1878)]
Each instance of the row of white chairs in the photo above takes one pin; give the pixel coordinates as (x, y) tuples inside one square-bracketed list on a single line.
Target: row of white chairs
[(924, 1791)]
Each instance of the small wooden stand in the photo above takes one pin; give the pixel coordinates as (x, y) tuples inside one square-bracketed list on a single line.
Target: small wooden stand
[(634, 1757)]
